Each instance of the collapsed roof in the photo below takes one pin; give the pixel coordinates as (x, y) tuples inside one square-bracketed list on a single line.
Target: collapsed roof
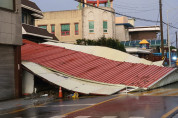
[(105, 52), (93, 69)]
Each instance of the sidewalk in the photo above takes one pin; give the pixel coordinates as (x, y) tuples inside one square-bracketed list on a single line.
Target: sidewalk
[(23, 103)]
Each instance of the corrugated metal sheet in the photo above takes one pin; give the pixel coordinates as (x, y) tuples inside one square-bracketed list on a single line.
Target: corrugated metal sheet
[(105, 52), (72, 84), (90, 67)]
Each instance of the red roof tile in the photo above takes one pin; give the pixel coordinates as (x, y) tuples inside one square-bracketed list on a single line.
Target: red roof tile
[(91, 67)]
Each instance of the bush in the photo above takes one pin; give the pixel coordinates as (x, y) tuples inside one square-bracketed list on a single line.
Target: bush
[(112, 43)]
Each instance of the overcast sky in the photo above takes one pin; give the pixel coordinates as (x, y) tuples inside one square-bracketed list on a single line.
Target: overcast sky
[(146, 9)]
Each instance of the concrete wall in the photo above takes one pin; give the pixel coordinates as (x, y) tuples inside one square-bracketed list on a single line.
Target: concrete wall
[(10, 40), (142, 35), (98, 16), (10, 26), (63, 17), (122, 33), (27, 83)]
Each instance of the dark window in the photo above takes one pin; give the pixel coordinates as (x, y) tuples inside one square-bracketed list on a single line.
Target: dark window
[(53, 29), (65, 29), (76, 29), (7, 4), (43, 26), (24, 17)]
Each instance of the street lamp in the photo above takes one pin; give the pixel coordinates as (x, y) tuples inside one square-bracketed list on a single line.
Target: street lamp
[(168, 34)]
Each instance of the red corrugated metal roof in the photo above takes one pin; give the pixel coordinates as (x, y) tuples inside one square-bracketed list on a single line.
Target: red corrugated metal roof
[(91, 67)]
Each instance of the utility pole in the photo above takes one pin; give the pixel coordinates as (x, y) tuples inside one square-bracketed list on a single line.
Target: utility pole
[(161, 25), (176, 39)]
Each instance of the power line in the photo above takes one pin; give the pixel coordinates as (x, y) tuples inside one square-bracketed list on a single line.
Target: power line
[(137, 18), (119, 13)]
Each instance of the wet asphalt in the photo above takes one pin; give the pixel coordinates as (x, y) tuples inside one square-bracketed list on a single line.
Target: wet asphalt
[(158, 103)]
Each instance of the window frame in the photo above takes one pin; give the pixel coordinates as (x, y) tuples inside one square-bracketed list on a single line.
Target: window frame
[(43, 25), (66, 33), (11, 10), (76, 32), (105, 28), (54, 29), (93, 30)]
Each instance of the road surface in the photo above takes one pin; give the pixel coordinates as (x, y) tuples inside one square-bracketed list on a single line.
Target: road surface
[(162, 102)]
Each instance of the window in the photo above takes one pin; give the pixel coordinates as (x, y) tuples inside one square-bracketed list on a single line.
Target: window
[(7, 4), (65, 29), (105, 26), (24, 17), (43, 26), (91, 26), (76, 29), (53, 29)]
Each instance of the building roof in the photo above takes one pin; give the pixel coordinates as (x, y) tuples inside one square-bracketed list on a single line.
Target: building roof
[(93, 68), (125, 24), (148, 28), (143, 51), (95, 1), (37, 32), (30, 4), (27, 4), (104, 52)]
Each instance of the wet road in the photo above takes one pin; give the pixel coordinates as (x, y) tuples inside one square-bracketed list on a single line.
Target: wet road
[(157, 103), (102, 107)]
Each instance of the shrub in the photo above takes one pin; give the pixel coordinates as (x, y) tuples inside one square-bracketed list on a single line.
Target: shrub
[(112, 43)]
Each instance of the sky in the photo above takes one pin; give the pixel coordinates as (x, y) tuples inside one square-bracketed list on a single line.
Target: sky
[(145, 9)]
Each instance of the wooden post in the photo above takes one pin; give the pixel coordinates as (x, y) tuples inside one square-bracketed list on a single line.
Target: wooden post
[(161, 25)]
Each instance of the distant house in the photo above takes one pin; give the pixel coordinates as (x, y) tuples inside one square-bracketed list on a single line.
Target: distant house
[(86, 22), (30, 12), (10, 43), (147, 32)]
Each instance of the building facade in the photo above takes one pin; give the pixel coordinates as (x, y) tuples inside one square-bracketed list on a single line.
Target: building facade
[(98, 23), (66, 25), (30, 12), (10, 42), (86, 22)]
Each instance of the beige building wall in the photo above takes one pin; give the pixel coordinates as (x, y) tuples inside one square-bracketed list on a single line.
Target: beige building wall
[(122, 19), (122, 33), (98, 16), (131, 21), (63, 17)]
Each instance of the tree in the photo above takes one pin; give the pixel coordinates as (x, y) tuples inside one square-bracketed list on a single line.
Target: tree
[(103, 41)]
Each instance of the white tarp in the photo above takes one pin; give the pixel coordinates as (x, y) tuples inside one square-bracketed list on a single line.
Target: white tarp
[(74, 84)]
